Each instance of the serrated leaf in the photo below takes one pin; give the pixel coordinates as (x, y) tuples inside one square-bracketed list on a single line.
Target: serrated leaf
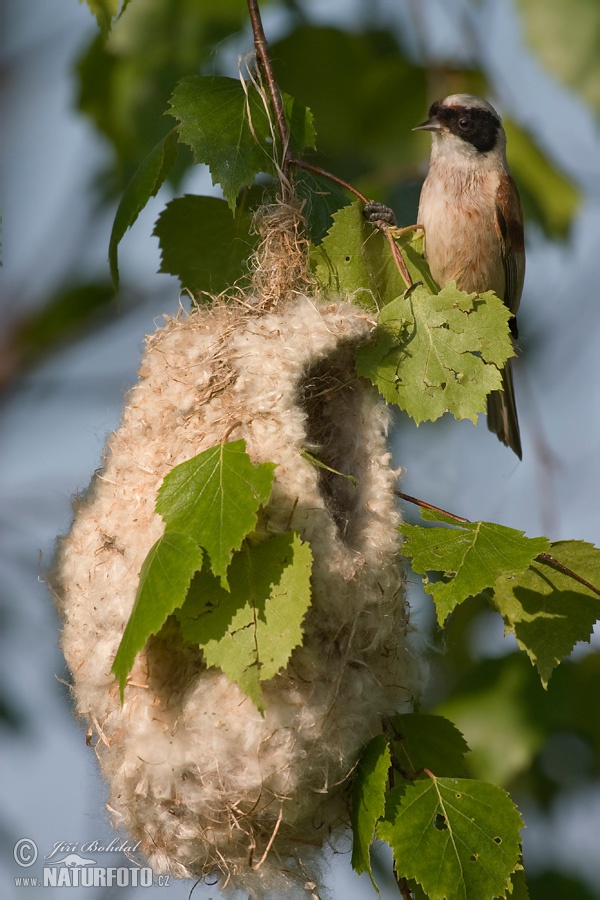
[(518, 886), (203, 244), (456, 837), (145, 184), (227, 127), (164, 581), (250, 631), (214, 498), (423, 741), (470, 557), (368, 800), (438, 353), (355, 258), (547, 610)]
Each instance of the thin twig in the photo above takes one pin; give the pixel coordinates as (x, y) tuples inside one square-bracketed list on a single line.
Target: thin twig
[(264, 61), (398, 258), (317, 170), (387, 230), (545, 558), (555, 564), (430, 506)]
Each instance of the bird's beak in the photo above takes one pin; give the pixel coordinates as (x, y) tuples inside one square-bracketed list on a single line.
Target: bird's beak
[(432, 124)]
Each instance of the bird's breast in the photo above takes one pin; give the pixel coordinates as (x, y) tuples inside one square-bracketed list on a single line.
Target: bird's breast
[(458, 212)]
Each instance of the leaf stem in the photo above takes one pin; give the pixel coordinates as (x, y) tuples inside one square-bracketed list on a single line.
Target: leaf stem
[(264, 61), (555, 564), (545, 558), (317, 170), (430, 506)]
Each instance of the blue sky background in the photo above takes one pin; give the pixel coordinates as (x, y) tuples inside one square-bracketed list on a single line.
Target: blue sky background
[(54, 422)]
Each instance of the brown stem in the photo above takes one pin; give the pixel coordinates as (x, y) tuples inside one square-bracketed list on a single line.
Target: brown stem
[(430, 506), (398, 258), (555, 564), (300, 164), (402, 886), (382, 226), (264, 61), (545, 558)]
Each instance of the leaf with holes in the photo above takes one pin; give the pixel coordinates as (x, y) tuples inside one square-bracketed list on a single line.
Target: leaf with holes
[(438, 353), (355, 258), (471, 556), (458, 838), (251, 630), (548, 610), (214, 498), (164, 581), (368, 800)]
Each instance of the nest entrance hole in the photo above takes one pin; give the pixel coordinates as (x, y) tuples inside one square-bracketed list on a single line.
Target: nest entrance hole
[(331, 396)]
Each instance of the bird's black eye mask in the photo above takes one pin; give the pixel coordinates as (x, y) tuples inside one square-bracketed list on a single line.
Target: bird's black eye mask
[(477, 126)]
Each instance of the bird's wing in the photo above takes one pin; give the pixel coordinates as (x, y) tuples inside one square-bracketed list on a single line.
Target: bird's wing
[(509, 223)]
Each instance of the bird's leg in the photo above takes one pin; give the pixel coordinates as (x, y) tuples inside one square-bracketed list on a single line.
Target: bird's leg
[(379, 214)]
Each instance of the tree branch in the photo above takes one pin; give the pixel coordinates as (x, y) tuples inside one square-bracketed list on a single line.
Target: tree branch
[(545, 558), (264, 61)]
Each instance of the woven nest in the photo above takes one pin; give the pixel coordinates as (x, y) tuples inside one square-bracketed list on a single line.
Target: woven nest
[(208, 785)]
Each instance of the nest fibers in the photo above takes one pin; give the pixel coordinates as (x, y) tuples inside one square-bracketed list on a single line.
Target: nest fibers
[(205, 783)]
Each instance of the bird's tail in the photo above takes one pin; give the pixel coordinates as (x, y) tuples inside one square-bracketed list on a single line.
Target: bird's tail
[(502, 413)]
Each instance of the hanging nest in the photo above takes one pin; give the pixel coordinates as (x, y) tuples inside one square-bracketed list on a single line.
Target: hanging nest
[(205, 783)]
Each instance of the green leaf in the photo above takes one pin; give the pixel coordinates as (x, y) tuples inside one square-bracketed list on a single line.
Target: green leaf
[(322, 199), (203, 244), (471, 557), (368, 800), (456, 837), (301, 124), (144, 185), (355, 258), (214, 498), (547, 610), (104, 10), (164, 581), (227, 127), (438, 353), (423, 741), (564, 34), (250, 631), (518, 889)]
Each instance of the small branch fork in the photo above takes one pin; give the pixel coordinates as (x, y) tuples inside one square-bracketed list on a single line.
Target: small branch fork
[(545, 558), (262, 54)]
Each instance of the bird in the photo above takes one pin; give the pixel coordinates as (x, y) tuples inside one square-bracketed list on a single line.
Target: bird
[(471, 214)]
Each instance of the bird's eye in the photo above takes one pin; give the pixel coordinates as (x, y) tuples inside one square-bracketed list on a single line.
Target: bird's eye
[(463, 123)]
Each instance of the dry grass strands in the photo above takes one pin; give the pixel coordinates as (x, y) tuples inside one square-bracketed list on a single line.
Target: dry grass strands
[(208, 785), (280, 265)]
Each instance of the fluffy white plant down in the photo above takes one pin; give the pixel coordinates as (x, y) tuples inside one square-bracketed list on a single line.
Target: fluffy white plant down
[(207, 784)]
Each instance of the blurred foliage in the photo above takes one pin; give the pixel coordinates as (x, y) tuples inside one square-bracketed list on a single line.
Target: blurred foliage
[(566, 36), (126, 78), (366, 93), (66, 314)]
